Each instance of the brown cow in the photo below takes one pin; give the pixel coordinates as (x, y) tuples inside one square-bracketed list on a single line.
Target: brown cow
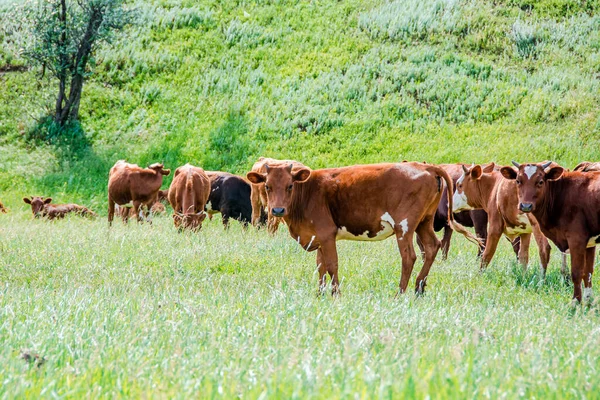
[(41, 207), (188, 195), (498, 197), (258, 194), (127, 211), (361, 202), (2, 208), (567, 206), (131, 183), (587, 166)]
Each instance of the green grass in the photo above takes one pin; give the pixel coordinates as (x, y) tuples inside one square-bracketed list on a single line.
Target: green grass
[(142, 311)]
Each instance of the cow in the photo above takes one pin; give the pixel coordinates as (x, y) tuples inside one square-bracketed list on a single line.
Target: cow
[(587, 166), (126, 211), (476, 189), (471, 218), (566, 205), (361, 202), (131, 183), (41, 207), (230, 196), (259, 196), (2, 208), (188, 195)]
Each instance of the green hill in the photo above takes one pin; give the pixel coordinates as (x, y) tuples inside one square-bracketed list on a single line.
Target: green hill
[(326, 82)]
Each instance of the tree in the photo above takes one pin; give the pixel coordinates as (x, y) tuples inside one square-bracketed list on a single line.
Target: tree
[(64, 35)]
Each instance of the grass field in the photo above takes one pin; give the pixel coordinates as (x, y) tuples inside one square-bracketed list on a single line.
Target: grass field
[(142, 311)]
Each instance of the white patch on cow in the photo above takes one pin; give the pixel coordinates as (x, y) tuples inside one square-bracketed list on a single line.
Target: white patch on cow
[(387, 229), (388, 218), (592, 241), (215, 189), (404, 225), (530, 170), (209, 206), (522, 218), (587, 293), (524, 227), (459, 202)]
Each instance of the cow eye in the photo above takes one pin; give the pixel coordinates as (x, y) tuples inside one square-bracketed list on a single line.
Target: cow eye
[(540, 183), (267, 188), (518, 182), (290, 188)]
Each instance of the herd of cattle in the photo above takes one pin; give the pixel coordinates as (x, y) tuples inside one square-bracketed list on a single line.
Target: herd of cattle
[(374, 202)]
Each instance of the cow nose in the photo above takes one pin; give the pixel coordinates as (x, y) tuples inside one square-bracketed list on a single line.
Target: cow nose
[(526, 207), (278, 211)]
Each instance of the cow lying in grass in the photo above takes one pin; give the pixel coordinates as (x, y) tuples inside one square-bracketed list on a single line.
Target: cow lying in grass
[(361, 202), (2, 208), (41, 207)]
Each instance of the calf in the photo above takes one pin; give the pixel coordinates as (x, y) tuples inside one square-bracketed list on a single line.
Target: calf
[(131, 183), (229, 195), (498, 198), (2, 208), (188, 195), (259, 196), (41, 207), (567, 206), (127, 210), (361, 202)]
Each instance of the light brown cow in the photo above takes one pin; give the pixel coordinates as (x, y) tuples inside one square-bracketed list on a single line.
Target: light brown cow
[(188, 195), (361, 202), (587, 166), (498, 198), (131, 183), (41, 207), (258, 194), (566, 205)]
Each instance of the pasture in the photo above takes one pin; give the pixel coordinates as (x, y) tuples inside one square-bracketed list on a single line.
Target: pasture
[(143, 311)]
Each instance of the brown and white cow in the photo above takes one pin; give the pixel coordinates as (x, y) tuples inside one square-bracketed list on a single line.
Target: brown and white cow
[(567, 206), (131, 183), (258, 194), (41, 207), (188, 195), (361, 202), (497, 196)]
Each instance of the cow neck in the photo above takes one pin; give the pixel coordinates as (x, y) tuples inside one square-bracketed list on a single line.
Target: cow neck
[(303, 195), (546, 209), (485, 188)]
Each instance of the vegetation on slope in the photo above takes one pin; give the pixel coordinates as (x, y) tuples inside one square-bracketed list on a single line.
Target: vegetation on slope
[(328, 83)]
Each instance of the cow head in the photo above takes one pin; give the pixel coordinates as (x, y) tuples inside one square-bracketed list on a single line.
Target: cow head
[(37, 204), (532, 182), (279, 184), (192, 221), (159, 168), (466, 188)]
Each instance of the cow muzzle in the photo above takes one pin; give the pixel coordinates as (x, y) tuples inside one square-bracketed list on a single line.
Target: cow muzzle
[(278, 211), (526, 207)]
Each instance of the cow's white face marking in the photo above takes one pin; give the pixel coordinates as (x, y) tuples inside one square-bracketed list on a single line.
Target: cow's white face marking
[(530, 170), (592, 241), (459, 202)]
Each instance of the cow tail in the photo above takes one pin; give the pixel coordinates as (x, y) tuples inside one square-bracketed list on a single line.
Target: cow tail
[(453, 224)]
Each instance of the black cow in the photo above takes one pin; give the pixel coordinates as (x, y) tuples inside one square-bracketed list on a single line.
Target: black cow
[(229, 195)]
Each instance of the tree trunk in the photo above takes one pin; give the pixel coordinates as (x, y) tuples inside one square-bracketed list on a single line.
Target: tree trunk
[(62, 72)]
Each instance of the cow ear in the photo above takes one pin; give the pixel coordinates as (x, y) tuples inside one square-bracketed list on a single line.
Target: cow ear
[(476, 172), (47, 200), (256, 178), (554, 173), (202, 217), (508, 172), (165, 172), (489, 167), (27, 200), (301, 175)]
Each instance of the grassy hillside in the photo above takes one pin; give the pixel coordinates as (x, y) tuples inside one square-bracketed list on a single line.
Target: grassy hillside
[(329, 83)]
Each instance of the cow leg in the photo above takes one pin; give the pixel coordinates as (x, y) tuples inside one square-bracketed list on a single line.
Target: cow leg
[(590, 258), (516, 245), (523, 254), (255, 202), (322, 271), (225, 218), (446, 241), (564, 266), (136, 210), (544, 248), (431, 246), (493, 237), (328, 258), (578, 259), (480, 223), (111, 211), (407, 252)]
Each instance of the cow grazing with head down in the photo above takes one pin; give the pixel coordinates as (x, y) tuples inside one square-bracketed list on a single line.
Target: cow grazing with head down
[(567, 206), (497, 196), (361, 202), (131, 183), (188, 195), (230, 196), (259, 196), (41, 207)]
